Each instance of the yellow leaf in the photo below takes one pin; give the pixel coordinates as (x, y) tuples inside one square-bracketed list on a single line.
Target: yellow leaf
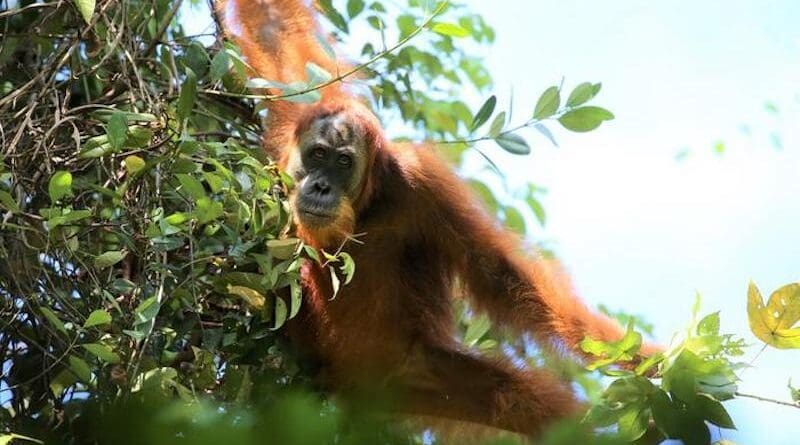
[(772, 323), (251, 296)]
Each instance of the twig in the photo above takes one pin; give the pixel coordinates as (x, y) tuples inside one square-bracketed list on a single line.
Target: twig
[(766, 399), (16, 11)]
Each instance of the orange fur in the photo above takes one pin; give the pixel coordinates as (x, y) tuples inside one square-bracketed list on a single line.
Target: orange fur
[(392, 328)]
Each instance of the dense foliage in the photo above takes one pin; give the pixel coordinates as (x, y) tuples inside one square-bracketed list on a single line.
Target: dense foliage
[(146, 257)]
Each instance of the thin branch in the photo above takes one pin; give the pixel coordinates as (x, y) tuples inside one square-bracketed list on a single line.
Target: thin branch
[(767, 399), (16, 11), (162, 28), (340, 77), (527, 124)]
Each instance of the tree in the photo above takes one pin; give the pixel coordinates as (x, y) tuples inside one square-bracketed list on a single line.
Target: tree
[(144, 234)]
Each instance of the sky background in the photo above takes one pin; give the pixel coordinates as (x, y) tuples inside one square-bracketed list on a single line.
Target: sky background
[(639, 228)]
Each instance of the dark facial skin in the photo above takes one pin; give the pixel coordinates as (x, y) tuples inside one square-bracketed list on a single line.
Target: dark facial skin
[(328, 169)]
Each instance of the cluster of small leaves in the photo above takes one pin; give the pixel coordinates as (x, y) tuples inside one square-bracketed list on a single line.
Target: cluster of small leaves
[(697, 374)]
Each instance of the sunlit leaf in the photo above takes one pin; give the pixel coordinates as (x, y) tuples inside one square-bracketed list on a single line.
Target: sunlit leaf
[(582, 94), (102, 352), (547, 104), (252, 297), (147, 310), (134, 164), (585, 118), (97, 317), (773, 323), (86, 8), (450, 29), (348, 267), (60, 185), (476, 329), (497, 125)]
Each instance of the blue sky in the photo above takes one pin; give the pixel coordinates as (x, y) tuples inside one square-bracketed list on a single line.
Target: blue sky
[(638, 229)]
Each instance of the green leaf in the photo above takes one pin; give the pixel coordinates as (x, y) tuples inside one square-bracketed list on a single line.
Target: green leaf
[(187, 96), (8, 202), (354, 7), (632, 424), (450, 29), (484, 113), (333, 15), (513, 143), (477, 328), (585, 118), (296, 295), (220, 65), (110, 258), (713, 411), (514, 220), (582, 94), (283, 249), (95, 147), (497, 125), (97, 317), (80, 368), (316, 74), (53, 319), (547, 104), (773, 323), (348, 267), (207, 210), (709, 325), (103, 352), (794, 393), (117, 130), (195, 58), (307, 97), (86, 8), (191, 186), (60, 185), (147, 310), (281, 313)]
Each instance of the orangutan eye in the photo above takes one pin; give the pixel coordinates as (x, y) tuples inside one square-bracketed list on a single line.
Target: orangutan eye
[(345, 161), (318, 153)]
